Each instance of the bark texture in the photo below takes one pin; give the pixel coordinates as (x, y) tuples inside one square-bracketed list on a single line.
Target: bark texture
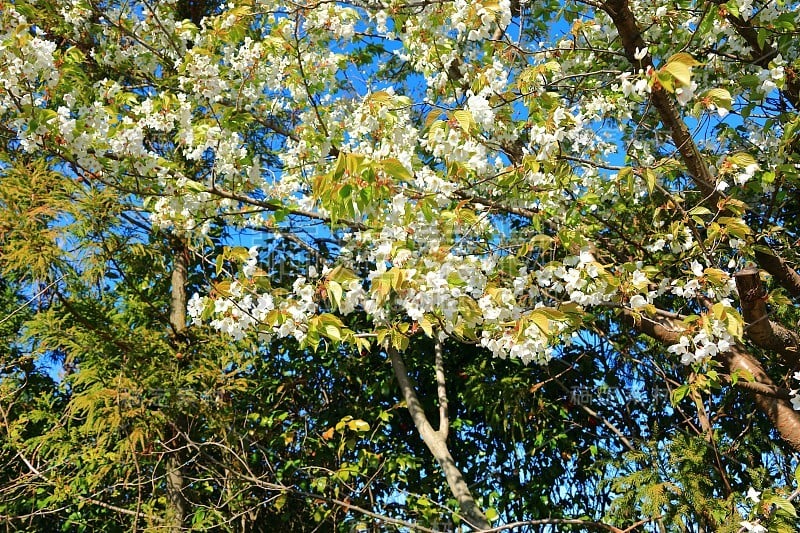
[(785, 275), (778, 410), (760, 329), (435, 441), (175, 483), (631, 36)]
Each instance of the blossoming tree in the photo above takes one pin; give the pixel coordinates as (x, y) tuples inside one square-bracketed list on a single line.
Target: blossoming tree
[(509, 179)]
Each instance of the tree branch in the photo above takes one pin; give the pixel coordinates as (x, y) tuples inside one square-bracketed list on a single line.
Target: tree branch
[(178, 506), (628, 30), (779, 411), (444, 419), (627, 27), (564, 522), (786, 276), (759, 388), (762, 54), (760, 329), (606, 422), (472, 514), (248, 475)]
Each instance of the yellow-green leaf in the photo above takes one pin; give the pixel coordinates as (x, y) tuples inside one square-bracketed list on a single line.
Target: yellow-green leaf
[(684, 59), (680, 67), (720, 98), (541, 241), (541, 321), (742, 159), (716, 276), (333, 332), (650, 179), (380, 97), (680, 72), (465, 120), (394, 168), (358, 425), (426, 326), (335, 293)]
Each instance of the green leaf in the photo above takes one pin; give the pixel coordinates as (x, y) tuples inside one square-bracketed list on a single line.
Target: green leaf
[(454, 280), (680, 72), (541, 321), (679, 393), (708, 20), (699, 210), (666, 80), (735, 226), (380, 97), (399, 341), (742, 159), (358, 425), (333, 332), (426, 326), (465, 120), (680, 67), (342, 275), (650, 179), (394, 168), (335, 294), (552, 314), (720, 98), (717, 277), (541, 241), (750, 80), (781, 503)]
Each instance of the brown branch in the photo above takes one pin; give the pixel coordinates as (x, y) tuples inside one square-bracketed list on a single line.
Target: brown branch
[(520, 211), (249, 476), (786, 276), (36, 472), (564, 522), (737, 360), (759, 388), (631, 36), (276, 206), (627, 27), (472, 514), (606, 422), (708, 435), (760, 329), (93, 325), (780, 412)]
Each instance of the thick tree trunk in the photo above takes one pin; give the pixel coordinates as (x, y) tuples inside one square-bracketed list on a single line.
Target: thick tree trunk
[(436, 443), (177, 318), (780, 412), (178, 300)]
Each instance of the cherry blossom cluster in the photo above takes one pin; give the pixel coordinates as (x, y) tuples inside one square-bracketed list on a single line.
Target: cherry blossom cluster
[(484, 144)]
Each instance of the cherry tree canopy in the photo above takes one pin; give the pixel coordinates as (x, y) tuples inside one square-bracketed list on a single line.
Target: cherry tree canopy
[(516, 176)]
